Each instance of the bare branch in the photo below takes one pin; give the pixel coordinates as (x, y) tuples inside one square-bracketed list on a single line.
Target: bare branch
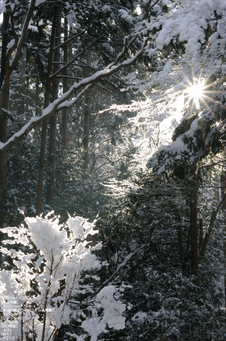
[(68, 40), (71, 61), (98, 85)]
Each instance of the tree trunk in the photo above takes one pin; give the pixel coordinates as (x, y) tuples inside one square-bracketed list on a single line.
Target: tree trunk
[(180, 239), (22, 89), (3, 138), (86, 131), (44, 128), (86, 122), (53, 119), (41, 169), (223, 190), (194, 224), (64, 131), (3, 121)]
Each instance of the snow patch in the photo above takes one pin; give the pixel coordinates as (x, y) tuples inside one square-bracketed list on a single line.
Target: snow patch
[(39, 2)]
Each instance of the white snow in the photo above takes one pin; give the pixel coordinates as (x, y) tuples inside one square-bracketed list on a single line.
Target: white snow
[(39, 2), (106, 8), (140, 315), (178, 146), (60, 256), (113, 310), (124, 14), (10, 44)]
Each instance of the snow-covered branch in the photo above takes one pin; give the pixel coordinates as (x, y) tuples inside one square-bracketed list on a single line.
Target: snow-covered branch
[(44, 280), (82, 86)]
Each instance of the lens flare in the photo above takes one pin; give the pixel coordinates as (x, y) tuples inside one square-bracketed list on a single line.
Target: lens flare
[(196, 93), (196, 90)]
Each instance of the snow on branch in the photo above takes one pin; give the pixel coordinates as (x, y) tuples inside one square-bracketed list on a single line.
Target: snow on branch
[(39, 2), (42, 290), (83, 85)]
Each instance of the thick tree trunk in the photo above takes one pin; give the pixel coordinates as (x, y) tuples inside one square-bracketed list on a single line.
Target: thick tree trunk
[(194, 224), (53, 119)]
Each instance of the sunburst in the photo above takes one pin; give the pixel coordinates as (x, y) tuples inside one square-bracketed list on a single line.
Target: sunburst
[(196, 93), (200, 91)]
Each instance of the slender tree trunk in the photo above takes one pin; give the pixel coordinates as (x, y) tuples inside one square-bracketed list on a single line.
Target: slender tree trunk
[(3, 138), (22, 73), (3, 121), (53, 119), (211, 225), (86, 131), (64, 128), (223, 190), (180, 239), (6, 71), (44, 129), (201, 233), (41, 168), (194, 224), (87, 122)]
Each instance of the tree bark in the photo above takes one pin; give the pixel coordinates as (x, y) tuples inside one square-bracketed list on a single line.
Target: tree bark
[(53, 118), (3, 138), (86, 122), (194, 224), (211, 225), (86, 131), (3, 121), (44, 130), (22, 89), (223, 191), (41, 169), (64, 129), (15, 53), (180, 239)]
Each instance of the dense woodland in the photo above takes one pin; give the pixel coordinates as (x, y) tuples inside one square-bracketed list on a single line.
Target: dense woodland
[(112, 170)]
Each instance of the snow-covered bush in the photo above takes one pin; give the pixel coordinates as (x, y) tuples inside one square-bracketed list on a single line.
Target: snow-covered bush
[(45, 268)]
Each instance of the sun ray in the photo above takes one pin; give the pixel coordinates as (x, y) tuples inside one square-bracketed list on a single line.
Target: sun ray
[(199, 92), (196, 92)]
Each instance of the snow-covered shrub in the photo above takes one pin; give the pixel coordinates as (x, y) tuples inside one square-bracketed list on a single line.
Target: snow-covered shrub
[(44, 269)]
